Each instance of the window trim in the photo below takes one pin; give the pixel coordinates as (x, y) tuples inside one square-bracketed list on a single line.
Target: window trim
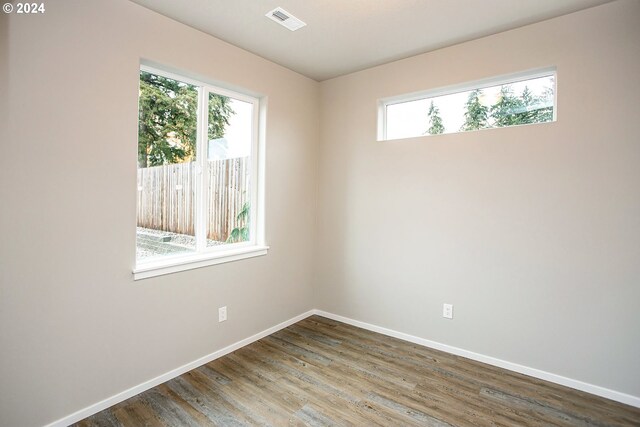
[(205, 256), (504, 79), (174, 264)]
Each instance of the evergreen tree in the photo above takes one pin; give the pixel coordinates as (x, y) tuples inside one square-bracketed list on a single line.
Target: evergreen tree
[(531, 106), (544, 110), (476, 115), (168, 120), (435, 121), (509, 110)]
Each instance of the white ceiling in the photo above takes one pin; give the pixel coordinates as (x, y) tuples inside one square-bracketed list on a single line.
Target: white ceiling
[(343, 36)]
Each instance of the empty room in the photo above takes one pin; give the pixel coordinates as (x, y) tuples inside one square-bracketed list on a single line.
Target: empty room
[(320, 213)]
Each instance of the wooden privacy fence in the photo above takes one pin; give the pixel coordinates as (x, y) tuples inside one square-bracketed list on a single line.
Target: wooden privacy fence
[(166, 196)]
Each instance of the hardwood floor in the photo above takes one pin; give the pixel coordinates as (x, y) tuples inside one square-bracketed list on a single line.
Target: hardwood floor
[(321, 372)]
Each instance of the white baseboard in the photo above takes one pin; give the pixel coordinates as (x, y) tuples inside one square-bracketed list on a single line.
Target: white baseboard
[(536, 373), (97, 407), (532, 372)]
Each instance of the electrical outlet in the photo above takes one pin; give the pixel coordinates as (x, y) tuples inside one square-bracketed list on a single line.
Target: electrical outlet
[(447, 311), (222, 314)]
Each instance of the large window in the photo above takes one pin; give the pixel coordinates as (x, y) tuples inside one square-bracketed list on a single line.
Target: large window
[(198, 171), (521, 99)]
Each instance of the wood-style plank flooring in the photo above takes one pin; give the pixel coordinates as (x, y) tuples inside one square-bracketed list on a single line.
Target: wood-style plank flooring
[(320, 372)]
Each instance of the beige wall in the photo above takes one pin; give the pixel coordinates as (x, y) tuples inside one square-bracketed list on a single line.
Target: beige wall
[(74, 326), (533, 233)]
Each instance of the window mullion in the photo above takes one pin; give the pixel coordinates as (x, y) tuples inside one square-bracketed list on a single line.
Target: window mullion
[(201, 171)]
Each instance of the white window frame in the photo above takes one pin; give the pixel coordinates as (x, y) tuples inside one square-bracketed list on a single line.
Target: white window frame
[(506, 79), (203, 255)]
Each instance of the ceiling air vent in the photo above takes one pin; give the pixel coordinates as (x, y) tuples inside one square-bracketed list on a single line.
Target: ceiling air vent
[(285, 19)]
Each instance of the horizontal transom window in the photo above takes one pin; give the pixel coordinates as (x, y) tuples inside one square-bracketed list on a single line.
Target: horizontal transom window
[(520, 99)]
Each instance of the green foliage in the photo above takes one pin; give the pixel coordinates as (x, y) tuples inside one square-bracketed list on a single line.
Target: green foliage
[(544, 113), (168, 120), (476, 115), (513, 110), (509, 110), (435, 121), (219, 113), (241, 233)]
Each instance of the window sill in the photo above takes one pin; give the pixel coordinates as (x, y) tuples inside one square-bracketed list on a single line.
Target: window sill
[(174, 265)]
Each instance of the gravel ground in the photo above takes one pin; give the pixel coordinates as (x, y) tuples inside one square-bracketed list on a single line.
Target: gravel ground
[(177, 243)]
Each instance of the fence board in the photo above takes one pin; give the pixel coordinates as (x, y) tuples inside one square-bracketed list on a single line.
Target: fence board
[(166, 196)]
